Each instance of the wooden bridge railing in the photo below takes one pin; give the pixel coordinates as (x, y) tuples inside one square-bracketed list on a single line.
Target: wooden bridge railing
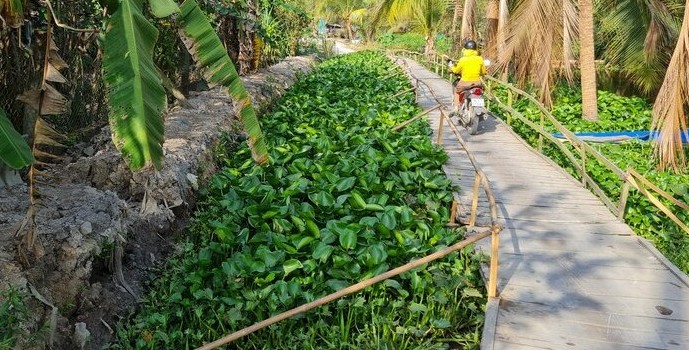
[(629, 178)]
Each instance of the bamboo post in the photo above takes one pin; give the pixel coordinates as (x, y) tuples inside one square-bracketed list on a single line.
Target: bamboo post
[(540, 134), (474, 199), (347, 291), (622, 205), (509, 104), (439, 139), (582, 151), (453, 214), (494, 250)]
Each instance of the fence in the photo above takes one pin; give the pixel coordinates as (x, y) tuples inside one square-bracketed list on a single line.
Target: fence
[(583, 152)]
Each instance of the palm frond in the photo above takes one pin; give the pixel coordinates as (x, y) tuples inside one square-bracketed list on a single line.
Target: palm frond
[(14, 151), (203, 43), (136, 95), (639, 36), (536, 41), (669, 109)]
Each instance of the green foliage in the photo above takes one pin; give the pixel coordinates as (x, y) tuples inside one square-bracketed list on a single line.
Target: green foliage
[(136, 95), (413, 42), (616, 114), (12, 314), (343, 199), (14, 151)]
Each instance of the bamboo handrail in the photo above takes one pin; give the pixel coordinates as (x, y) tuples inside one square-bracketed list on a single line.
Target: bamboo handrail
[(409, 121), (630, 177), (561, 128), (344, 292)]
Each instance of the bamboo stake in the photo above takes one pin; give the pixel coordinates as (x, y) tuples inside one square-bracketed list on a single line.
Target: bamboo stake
[(439, 138), (344, 292), (453, 214), (622, 205), (474, 199), (494, 255)]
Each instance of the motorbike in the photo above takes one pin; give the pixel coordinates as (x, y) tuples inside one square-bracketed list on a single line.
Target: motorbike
[(472, 110)]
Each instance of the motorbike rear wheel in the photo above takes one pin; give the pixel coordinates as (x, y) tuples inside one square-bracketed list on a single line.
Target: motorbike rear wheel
[(471, 118)]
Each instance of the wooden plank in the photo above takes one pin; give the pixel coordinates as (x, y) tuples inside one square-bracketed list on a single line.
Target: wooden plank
[(550, 325)]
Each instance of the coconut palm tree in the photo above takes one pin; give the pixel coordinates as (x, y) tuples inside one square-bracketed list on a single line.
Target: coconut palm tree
[(456, 15), (468, 20), (345, 10), (425, 16), (491, 36), (587, 64), (639, 37), (539, 43), (669, 110)]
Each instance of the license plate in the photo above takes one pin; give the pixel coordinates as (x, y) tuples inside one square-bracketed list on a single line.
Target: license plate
[(477, 102)]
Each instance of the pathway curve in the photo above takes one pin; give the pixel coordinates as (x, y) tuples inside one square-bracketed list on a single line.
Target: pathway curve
[(571, 275)]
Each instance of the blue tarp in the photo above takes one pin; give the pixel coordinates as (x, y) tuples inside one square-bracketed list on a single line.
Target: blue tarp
[(618, 136)]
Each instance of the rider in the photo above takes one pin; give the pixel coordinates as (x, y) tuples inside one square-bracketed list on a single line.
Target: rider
[(470, 67)]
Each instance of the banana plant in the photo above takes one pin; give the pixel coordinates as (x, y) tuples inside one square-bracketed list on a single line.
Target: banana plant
[(14, 151), (136, 95)]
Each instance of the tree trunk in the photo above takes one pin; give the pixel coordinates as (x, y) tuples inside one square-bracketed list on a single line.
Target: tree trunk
[(350, 35), (469, 21), (454, 34), (492, 11), (429, 48), (589, 103), (502, 37)]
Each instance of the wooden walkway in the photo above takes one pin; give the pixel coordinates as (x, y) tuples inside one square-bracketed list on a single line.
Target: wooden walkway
[(571, 275)]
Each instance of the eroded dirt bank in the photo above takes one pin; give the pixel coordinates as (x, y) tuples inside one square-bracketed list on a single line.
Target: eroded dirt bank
[(96, 212)]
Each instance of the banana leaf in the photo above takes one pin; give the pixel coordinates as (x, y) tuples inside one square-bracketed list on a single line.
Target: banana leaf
[(203, 43), (14, 151), (136, 95), (163, 8)]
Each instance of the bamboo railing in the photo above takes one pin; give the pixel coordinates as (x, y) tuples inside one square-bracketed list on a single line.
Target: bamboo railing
[(629, 178)]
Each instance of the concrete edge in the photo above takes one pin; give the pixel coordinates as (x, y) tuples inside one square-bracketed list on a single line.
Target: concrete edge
[(490, 324)]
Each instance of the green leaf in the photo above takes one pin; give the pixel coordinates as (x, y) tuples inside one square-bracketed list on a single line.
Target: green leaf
[(336, 284), (442, 323), (348, 239), (14, 151), (203, 43), (291, 265), (345, 184), (416, 307), (322, 199), (135, 91), (269, 257), (322, 252), (163, 8), (472, 292)]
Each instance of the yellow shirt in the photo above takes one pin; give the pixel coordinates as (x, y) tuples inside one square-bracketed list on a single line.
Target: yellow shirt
[(470, 66)]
